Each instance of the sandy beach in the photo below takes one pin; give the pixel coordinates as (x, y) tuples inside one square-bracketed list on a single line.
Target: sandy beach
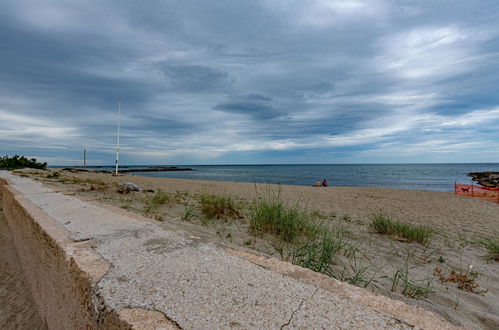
[(17, 309), (369, 259)]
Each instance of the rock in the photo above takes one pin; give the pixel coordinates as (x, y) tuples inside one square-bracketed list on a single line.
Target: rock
[(486, 179), (127, 187)]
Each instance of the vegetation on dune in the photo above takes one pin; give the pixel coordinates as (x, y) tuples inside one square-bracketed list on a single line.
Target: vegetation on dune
[(492, 247), (219, 207), (465, 280), (382, 224), (409, 286), (270, 215), (153, 202), (16, 162), (189, 212), (318, 255), (310, 244)]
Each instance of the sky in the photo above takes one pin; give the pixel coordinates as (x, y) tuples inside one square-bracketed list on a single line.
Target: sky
[(250, 82)]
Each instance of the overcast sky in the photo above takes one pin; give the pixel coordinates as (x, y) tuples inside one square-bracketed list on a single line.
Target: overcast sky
[(245, 82)]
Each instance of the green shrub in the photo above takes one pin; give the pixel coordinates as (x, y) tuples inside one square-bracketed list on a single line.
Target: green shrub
[(17, 161)]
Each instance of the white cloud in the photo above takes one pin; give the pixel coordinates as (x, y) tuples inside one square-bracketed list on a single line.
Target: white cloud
[(322, 14), (430, 52), (13, 125), (473, 119)]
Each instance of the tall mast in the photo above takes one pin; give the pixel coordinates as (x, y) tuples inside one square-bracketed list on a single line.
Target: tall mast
[(118, 138)]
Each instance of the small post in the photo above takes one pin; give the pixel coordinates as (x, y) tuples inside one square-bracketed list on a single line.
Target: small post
[(84, 158), (118, 139), (472, 188), (455, 187)]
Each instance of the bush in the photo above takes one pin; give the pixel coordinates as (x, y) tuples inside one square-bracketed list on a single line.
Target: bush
[(16, 162)]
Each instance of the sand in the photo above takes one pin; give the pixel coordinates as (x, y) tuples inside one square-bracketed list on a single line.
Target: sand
[(460, 223), (17, 310)]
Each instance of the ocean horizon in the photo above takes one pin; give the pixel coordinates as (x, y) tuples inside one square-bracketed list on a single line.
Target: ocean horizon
[(416, 176)]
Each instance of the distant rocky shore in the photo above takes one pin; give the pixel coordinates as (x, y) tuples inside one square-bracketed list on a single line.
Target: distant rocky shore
[(156, 169), (130, 170), (486, 179)]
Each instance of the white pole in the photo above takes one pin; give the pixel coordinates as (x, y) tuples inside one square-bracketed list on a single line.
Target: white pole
[(118, 138)]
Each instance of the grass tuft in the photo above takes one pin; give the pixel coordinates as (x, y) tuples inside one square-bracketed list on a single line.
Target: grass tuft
[(219, 207), (382, 224), (153, 202), (189, 213), (356, 275), (318, 255), (271, 216), (415, 289), (492, 247)]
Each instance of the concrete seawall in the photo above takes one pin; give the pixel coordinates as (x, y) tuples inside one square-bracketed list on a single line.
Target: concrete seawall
[(97, 267), (61, 273)]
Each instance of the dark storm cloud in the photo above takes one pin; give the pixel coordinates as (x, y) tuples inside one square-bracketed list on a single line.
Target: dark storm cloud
[(67, 67), (226, 81), (258, 107)]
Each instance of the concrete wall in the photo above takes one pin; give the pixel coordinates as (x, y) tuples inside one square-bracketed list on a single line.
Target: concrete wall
[(61, 273)]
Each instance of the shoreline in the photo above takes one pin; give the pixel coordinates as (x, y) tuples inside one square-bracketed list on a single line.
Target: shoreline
[(331, 185), (428, 177)]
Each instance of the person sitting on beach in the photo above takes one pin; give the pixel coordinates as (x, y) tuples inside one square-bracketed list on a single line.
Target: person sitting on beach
[(318, 184), (325, 183)]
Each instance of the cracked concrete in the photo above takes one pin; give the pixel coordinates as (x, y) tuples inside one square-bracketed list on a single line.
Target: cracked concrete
[(197, 284), (298, 309)]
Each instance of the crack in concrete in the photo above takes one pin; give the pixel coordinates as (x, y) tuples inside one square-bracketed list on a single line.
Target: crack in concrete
[(174, 323), (299, 307)]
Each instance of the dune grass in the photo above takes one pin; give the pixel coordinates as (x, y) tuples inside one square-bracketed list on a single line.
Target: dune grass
[(153, 202), (492, 247), (318, 255), (189, 213), (270, 215), (382, 224), (311, 244), (409, 287), (219, 207)]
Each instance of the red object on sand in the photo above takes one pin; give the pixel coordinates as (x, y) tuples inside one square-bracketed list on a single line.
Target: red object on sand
[(490, 194)]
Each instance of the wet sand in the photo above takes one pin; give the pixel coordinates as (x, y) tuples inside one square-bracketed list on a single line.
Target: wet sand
[(17, 309)]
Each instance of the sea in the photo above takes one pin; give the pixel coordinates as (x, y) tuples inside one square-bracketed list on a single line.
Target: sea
[(434, 177)]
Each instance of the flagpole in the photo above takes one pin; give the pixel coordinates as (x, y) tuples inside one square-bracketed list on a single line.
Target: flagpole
[(118, 138)]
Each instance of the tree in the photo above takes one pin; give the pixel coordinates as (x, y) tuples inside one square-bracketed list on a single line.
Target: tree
[(17, 161)]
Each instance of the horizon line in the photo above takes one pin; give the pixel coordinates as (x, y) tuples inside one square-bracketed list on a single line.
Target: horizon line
[(277, 164)]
